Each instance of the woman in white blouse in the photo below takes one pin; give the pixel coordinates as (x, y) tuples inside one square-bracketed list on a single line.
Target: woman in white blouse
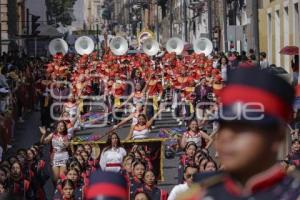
[(113, 154)]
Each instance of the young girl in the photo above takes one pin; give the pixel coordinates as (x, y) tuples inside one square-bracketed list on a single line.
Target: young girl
[(74, 175), (138, 170), (186, 159), (142, 129), (195, 135), (140, 195), (67, 191), (210, 166), (113, 154), (150, 187), (19, 186), (59, 145)]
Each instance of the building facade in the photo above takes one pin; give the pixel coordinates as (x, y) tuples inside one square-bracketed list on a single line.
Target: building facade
[(4, 25), (279, 27), (238, 25), (13, 24), (187, 19)]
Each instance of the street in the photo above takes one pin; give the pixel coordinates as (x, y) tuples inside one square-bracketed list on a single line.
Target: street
[(213, 84)]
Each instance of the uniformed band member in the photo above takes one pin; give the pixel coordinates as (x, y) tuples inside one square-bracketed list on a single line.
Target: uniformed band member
[(255, 107), (107, 186)]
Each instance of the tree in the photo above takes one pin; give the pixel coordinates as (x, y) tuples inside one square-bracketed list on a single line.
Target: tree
[(60, 11)]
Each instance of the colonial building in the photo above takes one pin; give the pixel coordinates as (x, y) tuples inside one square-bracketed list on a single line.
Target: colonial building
[(12, 17), (187, 20), (279, 27), (238, 25)]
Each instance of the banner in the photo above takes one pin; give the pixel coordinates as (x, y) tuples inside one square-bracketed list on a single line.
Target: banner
[(154, 148)]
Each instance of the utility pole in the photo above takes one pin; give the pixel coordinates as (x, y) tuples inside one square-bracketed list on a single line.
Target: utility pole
[(185, 21), (255, 25), (225, 25), (209, 5)]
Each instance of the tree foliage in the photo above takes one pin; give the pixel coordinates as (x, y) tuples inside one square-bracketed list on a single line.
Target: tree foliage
[(60, 11)]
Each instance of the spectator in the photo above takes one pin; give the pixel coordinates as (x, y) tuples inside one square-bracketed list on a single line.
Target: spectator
[(189, 171), (67, 191), (138, 170), (263, 60), (141, 196), (295, 68), (294, 155), (223, 64), (150, 187), (210, 166), (3, 80)]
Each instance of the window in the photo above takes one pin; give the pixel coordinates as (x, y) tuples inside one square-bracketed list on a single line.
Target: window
[(269, 37)]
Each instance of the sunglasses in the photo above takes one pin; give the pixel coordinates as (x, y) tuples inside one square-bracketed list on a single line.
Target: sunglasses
[(188, 176)]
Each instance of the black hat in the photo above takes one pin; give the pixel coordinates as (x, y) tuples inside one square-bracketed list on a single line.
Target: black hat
[(107, 186), (257, 96)]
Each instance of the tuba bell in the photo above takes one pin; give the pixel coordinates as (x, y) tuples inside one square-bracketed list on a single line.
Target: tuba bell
[(84, 45), (150, 47), (58, 45), (175, 45), (203, 45), (118, 46)]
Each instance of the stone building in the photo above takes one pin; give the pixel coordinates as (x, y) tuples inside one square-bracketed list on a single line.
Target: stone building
[(279, 27)]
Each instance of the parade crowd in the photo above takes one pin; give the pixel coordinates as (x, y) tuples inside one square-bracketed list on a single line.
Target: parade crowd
[(133, 89)]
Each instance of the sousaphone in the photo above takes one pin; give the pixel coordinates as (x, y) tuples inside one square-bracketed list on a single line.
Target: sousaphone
[(203, 45), (118, 45), (175, 45), (150, 47), (58, 45), (84, 45)]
